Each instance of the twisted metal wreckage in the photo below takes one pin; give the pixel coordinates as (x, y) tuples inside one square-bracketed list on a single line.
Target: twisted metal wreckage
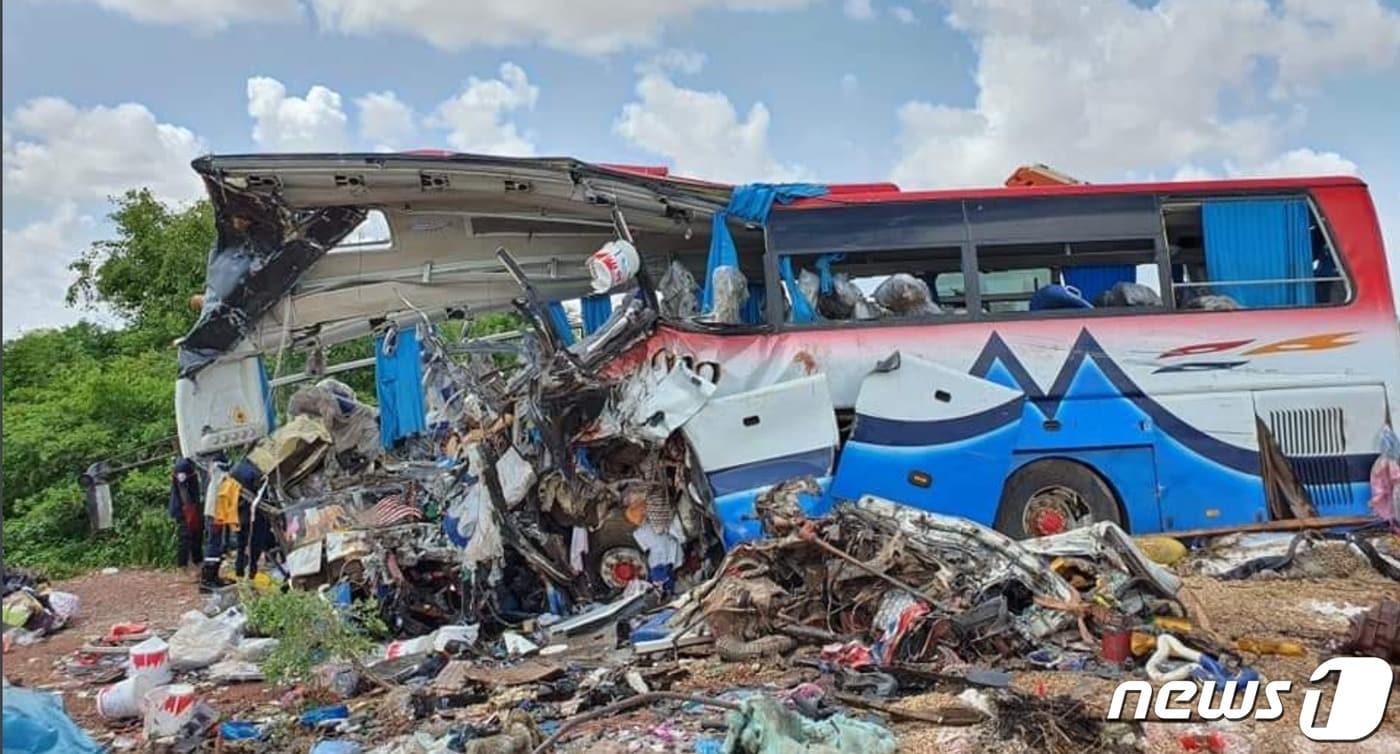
[(585, 481)]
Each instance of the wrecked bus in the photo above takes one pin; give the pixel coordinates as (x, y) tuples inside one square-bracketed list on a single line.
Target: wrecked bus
[(1165, 356)]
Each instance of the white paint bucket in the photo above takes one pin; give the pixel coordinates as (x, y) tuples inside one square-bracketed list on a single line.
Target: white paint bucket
[(150, 658), (167, 708), (614, 264), (406, 647), (124, 698)]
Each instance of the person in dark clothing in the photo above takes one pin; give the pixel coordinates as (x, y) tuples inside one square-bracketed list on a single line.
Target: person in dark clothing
[(187, 509), (254, 526)]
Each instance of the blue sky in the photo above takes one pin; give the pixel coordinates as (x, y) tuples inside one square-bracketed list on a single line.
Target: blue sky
[(104, 94)]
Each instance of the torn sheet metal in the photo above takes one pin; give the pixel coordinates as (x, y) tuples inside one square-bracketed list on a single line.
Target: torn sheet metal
[(261, 249), (1107, 540)]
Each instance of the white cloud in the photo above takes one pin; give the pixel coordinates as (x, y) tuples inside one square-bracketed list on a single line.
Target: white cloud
[(903, 14), (860, 10), (849, 84), (476, 118), (677, 61), (1086, 86), (205, 15), (590, 28), (701, 133), (56, 151), (386, 121), (35, 270), (314, 123)]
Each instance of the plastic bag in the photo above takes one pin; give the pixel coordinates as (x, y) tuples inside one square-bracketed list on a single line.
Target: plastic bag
[(861, 306), (677, 289), (731, 291), (1129, 294), (200, 641), (1213, 302), (809, 284), (906, 296), (35, 723)]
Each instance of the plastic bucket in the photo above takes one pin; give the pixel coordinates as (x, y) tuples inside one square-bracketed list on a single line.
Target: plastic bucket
[(167, 708), (614, 264), (124, 698), (150, 658), (406, 647)]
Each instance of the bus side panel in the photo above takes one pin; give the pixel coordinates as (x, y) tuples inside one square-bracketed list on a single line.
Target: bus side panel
[(1206, 482)]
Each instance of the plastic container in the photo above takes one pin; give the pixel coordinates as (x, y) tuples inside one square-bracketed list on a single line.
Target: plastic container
[(150, 658), (124, 698), (405, 647), (168, 708), (614, 264)]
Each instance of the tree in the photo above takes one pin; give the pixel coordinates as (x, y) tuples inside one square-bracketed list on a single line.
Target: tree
[(147, 274)]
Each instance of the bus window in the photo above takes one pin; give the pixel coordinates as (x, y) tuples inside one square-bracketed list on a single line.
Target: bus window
[(372, 234), (906, 284), (1032, 277), (1251, 254)]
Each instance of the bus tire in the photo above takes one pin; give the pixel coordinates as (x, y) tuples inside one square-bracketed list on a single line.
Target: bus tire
[(1054, 495)]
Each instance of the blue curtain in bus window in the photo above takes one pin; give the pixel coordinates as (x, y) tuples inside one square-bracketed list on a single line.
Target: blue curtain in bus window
[(752, 313), (596, 310), (268, 405), (1259, 240), (559, 320), (398, 382), (752, 203), (1093, 280)]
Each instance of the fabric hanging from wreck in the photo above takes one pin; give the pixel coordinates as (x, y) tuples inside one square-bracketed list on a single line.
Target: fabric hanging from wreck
[(1259, 240), (398, 381), (750, 203), (269, 405), (596, 310), (559, 320)]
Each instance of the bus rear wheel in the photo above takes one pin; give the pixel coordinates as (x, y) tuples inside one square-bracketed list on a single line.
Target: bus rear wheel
[(1053, 496)]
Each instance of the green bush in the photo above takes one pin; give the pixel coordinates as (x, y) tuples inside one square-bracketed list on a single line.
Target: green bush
[(309, 631)]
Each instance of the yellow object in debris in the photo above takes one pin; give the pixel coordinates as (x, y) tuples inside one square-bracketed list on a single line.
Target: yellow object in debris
[(1143, 644), (1270, 647), (1164, 550), (262, 582), (1172, 624), (226, 503)]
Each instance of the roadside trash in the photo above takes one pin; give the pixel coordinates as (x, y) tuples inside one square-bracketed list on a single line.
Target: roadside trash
[(336, 746), (1163, 550), (1261, 646), (322, 717), (35, 723), (611, 266), (151, 658), (1170, 648), (1376, 632), (238, 730), (762, 725), (167, 709), (201, 641), (121, 631), (124, 698), (1116, 643)]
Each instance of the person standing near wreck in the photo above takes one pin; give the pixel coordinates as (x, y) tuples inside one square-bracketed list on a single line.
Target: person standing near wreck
[(187, 509)]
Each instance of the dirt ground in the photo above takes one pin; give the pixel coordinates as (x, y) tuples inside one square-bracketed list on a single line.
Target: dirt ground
[(1310, 611)]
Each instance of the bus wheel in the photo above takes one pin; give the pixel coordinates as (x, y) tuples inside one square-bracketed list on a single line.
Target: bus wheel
[(614, 558), (1052, 496)]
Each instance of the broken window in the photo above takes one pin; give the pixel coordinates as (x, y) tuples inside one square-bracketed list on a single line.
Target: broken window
[(905, 284), (1040, 254), (372, 234), (1118, 273), (1254, 253)]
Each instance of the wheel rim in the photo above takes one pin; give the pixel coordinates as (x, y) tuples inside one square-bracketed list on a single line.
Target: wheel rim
[(1055, 509), (620, 566)]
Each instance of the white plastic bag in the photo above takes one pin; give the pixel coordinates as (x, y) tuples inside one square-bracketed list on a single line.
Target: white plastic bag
[(731, 291), (200, 641)]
